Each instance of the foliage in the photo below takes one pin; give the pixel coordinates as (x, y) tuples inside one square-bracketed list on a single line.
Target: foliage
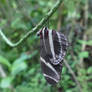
[(21, 65)]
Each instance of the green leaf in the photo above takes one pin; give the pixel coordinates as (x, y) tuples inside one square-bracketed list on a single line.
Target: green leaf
[(68, 90), (33, 54), (18, 67), (4, 61), (6, 82), (89, 42), (19, 64), (83, 54), (17, 23), (23, 89), (89, 71), (2, 23), (64, 70)]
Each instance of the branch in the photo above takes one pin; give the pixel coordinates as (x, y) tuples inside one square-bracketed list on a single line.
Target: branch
[(73, 74), (40, 24)]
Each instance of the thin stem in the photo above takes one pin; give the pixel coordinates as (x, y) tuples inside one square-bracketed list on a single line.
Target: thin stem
[(40, 24), (73, 74)]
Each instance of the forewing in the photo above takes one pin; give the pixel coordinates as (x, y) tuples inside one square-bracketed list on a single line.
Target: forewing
[(51, 73)]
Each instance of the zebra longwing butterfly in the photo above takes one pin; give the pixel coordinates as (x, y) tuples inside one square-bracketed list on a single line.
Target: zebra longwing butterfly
[(53, 47)]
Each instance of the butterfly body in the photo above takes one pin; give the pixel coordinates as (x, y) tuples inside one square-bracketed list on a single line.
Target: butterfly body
[(53, 47)]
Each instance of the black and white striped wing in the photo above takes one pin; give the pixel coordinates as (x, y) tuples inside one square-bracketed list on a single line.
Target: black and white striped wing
[(60, 45), (51, 72), (52, 53)]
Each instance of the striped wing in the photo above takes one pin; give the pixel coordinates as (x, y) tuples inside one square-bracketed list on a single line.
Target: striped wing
[(51, 72), (53, 50), (60, 46)]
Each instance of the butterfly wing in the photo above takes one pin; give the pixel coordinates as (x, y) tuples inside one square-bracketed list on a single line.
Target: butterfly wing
[(52, 48), (50, 71), (60, 46)]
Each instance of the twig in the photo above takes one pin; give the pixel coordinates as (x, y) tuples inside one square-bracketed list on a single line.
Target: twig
[(2, 73), (82, 64), (41, 23), (73, 74)]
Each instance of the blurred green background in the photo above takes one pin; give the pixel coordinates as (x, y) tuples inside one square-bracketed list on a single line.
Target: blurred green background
[(20, 69)]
